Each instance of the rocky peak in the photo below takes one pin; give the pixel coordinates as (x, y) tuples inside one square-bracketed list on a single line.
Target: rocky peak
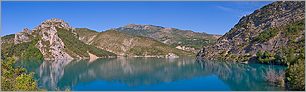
[(49, 43), (52, 25), (26, 30), (143, 27), (23, 36), (55, 22)]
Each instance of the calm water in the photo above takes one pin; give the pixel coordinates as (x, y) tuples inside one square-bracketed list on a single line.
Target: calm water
[(150, 74)]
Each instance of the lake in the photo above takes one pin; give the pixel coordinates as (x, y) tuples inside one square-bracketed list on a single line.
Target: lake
[(150, 74)]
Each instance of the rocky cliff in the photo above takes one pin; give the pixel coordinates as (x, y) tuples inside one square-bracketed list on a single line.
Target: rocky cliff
[(171, 36), (48, 38), (272, 28)]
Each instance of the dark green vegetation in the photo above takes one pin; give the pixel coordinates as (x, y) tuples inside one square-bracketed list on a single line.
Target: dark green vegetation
[(7, 43), (26, 50), (295, 76), (16, 78), (193, 43), (266, 35), (75, 47), (265, 57)]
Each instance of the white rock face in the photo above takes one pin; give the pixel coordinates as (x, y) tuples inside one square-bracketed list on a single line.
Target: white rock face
[(50, 45), (172, 55), (185, 48), (23, 36)]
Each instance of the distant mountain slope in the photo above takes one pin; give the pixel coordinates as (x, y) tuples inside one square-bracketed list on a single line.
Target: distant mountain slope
[(52, 39), (274, 28), (86, 35), (171, 36), (128, 45), (79, 49)]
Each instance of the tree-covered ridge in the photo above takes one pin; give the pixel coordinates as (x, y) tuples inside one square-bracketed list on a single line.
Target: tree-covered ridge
[(26, 50)]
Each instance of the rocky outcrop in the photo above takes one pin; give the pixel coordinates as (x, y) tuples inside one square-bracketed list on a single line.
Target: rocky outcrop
[(23, 36), (269, 23), (54, 39), (171, 55), (50, 45), (185, 48)]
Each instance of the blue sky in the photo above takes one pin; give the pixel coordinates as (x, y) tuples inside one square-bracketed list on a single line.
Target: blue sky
[(210, 17)]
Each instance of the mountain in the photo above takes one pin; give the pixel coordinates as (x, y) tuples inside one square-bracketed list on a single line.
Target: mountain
[(181, 39), (52, 39), (124, 44), (273, 34), (275, 29)]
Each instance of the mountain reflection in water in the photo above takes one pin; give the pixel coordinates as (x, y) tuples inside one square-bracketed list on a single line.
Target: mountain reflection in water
[(152, 74)]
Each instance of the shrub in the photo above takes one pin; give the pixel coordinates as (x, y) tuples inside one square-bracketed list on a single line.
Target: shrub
[(295, 76), (25, 82), (16, 78), (265, 57)]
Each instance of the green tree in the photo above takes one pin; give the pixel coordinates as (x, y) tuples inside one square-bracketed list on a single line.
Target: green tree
[(295, 76), (265, 57), (25, 82), (16, 78)]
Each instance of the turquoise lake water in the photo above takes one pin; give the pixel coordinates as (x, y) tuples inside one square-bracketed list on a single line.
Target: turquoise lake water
[(150, 74)]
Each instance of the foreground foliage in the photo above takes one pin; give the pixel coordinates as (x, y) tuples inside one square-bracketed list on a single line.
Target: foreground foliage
[(295, 76), (16, 78)]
